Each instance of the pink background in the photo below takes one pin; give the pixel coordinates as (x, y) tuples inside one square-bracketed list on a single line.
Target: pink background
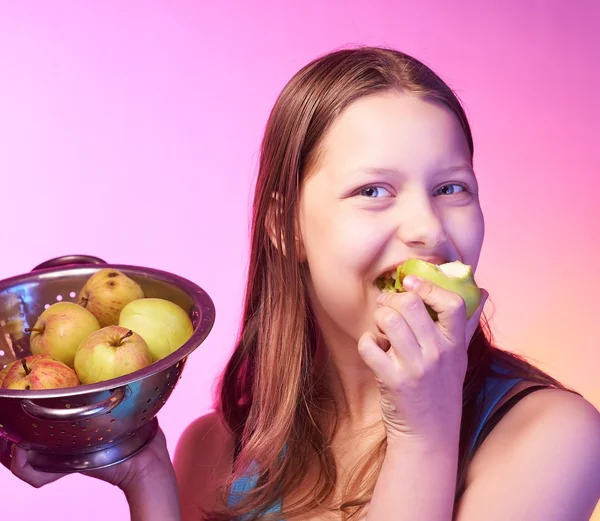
[(130, 131)]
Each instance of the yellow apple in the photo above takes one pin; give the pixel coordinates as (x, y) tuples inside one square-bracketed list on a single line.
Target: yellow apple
[(60, 329), (164, 325), (109, 353), (105, 294), (39, 372)]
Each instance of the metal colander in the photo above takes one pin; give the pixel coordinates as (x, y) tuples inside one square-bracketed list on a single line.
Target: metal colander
[(89, 426)]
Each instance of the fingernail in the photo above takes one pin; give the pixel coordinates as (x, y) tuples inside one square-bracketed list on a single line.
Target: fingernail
[(411, 282), (382, 298)]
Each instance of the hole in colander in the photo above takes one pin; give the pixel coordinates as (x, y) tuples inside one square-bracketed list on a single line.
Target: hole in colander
[(51, 426), (112, 421), (148, 400), (2, 353), (67, 405), (110, 441), (100, 438), (89, 438), (46, 306), (144, 411), (62, 431), (59, 297), (83, 429), (73, 435), (72, 294), (36, 433)]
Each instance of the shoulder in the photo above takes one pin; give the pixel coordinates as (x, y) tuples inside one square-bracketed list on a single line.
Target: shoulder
[(542, 461), (203, 459)]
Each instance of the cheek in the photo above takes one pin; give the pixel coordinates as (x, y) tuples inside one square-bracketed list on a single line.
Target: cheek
[(467, 235)]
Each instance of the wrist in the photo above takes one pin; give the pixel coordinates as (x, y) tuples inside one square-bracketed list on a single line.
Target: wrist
[(150, 478)]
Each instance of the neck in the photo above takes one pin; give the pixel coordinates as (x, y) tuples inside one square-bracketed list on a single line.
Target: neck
[(353, 387)]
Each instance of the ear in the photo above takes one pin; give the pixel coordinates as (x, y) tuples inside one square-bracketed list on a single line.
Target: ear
[(276, 211)]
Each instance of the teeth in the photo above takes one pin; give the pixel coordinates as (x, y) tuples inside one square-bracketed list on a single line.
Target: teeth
[(394, 274)]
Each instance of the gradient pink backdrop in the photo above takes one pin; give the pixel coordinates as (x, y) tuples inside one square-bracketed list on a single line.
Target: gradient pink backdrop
[(130, 131)]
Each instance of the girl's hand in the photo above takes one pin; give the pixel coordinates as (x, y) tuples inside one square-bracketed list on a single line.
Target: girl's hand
[(421, 374), (152, 462)]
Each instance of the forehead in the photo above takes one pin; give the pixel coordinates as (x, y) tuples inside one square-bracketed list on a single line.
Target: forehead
[(394, 130)]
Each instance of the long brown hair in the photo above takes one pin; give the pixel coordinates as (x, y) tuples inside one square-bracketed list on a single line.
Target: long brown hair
[(269, 391)]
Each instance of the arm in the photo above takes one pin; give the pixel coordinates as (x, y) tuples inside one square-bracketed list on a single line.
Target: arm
[(154, 498), (416, 483), (540, 463)]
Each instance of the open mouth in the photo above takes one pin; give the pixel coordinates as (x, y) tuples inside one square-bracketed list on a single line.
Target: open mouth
[(390, 281)]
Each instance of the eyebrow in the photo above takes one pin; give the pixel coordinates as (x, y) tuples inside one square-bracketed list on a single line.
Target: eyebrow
[(377, 171)]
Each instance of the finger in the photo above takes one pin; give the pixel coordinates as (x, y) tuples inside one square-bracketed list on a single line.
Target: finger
[(448, 305), (473, 322), (21, 468), (403, 342), (414, 312), (377, 359)]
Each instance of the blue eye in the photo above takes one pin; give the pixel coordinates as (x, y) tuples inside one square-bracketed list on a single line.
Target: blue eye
[(374, 192), (449, 190)]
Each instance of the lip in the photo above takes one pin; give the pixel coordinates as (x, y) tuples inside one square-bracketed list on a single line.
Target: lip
[(434, 259)]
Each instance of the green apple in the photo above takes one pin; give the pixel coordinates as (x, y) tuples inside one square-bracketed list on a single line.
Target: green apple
[(106, 293), (453, 276), (164, 325), (60, 329), (109, 353), (39, 372)]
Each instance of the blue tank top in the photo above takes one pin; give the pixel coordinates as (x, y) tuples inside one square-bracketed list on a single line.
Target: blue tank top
[(493, 392)]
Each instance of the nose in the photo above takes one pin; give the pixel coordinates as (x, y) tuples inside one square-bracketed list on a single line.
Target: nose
[(420, 224)]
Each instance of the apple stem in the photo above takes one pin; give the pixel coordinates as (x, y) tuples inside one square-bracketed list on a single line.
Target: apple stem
[(126, 335), (27, 370), (32, 329)]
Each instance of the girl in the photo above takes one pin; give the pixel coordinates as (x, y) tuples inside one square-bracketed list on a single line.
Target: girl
[(339, 401)]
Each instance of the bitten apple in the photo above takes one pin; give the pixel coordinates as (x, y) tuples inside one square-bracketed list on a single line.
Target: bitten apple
[(453, 276)]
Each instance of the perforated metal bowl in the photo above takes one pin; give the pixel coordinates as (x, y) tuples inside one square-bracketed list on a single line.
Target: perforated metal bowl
[(88, 426)]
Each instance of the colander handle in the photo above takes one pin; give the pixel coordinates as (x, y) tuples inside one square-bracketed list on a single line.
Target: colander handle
[(67, 260), (86, 411)]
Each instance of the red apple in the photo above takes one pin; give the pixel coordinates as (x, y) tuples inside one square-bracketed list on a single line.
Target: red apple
[(39, 372), (60, 329), (111, 352)]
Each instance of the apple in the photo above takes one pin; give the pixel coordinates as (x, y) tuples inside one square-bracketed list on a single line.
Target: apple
[(453, 276), (37, 372), (110, 352), (60, 329), (164, 325), (106, 293)]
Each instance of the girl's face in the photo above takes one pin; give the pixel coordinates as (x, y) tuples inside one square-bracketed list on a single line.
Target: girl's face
[(394, 180)]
